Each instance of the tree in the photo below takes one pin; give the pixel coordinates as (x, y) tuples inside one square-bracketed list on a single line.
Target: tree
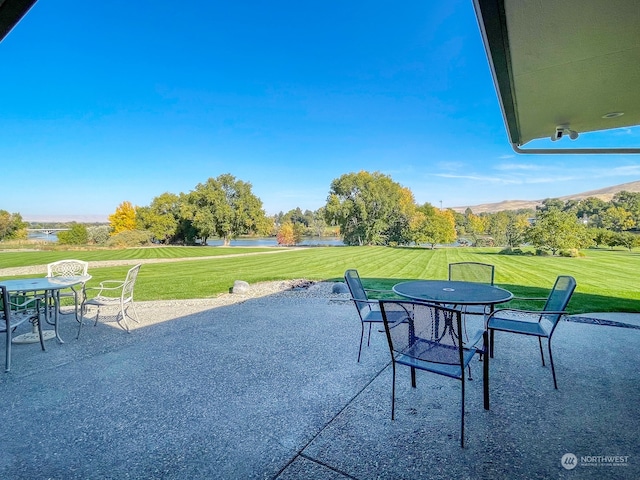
[(590, 209), (556, 230), (625, 239), (432, 226), (318, 224), (290, 233), (12, 226), (475, 225), (224, 207), (366, 206), (617, 219), (76, 235), (630, 201), (123, 219), (161, 218), (285, 234)]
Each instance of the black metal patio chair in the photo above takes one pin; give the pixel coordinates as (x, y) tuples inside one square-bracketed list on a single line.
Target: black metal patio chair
[(426, 337), (15, 310), (368, 310), (540, 323)]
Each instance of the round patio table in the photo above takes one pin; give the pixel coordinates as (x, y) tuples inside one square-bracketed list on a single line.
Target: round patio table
[(457, 293), (449, 292), (51, 287)]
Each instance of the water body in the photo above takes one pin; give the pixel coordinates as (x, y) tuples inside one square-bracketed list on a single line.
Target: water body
[(239, 242), (272, 242)]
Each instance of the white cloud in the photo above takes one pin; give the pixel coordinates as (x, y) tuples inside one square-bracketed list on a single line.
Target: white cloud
[(518, 166)]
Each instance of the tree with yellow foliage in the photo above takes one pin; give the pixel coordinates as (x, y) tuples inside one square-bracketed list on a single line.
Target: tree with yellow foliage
[(123, 219)]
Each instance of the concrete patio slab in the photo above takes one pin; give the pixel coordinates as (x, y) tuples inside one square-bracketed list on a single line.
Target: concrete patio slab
[(270, 388)]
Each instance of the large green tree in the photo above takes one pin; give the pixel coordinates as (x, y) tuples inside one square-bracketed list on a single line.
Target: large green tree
[(367, 207), (226, 208), (556, 230), (161, 218)]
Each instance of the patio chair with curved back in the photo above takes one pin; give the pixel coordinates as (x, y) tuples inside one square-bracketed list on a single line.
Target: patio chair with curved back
[(69, 268), (426, 337), (541, 323), (116, 294), (15, 310), (368, 310), (472, 272)]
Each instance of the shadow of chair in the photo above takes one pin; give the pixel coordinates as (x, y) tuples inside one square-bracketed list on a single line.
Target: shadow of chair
[(15, 310), (426, 337), (69, 268), (115, 294), (538, 323), (368, 309)]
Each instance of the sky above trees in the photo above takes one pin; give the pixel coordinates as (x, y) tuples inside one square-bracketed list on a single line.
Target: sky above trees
[(120, 101)]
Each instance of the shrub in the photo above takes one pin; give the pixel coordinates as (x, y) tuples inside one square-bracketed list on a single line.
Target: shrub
[(98, 235), (130, 238), (76, 235), (572, 252)]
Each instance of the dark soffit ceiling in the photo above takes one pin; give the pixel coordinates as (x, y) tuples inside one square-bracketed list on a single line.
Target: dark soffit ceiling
[(11, 11), (573, 63)]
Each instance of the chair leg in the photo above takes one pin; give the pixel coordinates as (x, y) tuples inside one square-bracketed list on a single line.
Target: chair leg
[(7, 359), (462, 416), (541, 353), (83, 311), (393, 391), (413, 377), (491, 341), (553, 370), (369, 336), (361, 337), (40, 334), (135, 313)]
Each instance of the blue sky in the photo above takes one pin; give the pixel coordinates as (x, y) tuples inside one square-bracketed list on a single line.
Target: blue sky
[(104, 102)]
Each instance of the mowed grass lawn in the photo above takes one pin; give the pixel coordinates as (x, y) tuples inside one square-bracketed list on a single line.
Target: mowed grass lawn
[(607, 279)]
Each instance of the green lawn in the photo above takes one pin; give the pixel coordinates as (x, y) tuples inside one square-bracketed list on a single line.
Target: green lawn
[(607, 279)]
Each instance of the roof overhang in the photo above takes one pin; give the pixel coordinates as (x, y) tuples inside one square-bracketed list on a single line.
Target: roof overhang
[(11, 11), (563, 67)]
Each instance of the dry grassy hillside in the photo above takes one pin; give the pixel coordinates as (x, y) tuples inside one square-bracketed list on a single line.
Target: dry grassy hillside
[(605, 194)]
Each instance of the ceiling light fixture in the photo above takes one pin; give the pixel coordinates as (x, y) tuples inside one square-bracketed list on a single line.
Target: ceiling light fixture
[(613, 115)]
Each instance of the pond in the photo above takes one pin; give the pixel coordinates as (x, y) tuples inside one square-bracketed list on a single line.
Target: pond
[(272, 242), (239, 242)]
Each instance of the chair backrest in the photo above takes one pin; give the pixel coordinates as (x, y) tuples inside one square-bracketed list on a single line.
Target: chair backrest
[(130, 283), (423, 331), (6, 314), (560, 294), (67, 268), (471, 272), (358, 293)]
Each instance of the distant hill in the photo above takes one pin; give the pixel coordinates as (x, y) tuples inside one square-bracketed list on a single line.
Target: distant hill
[(605, 194)]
